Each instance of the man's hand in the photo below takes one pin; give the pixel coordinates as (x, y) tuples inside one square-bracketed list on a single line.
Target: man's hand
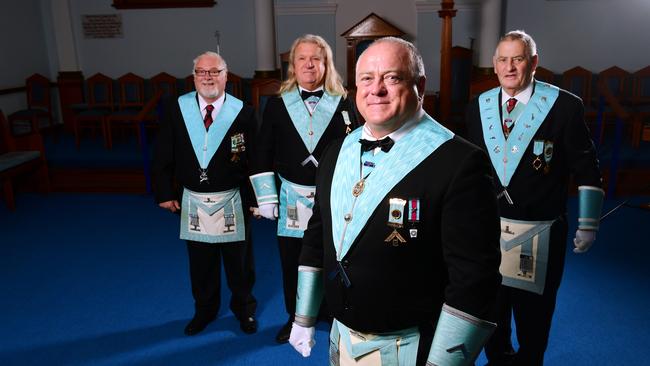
[(583, 240), (269, 210), (302, 339), (172, 206)]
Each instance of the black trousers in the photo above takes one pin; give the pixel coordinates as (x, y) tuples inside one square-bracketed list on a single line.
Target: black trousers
[(205, 275), (532, 312), (289, 253)]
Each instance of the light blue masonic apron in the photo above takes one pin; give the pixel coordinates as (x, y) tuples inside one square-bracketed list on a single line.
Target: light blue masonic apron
[(297, 201), (524, 244), (214, 217), (387, 349)]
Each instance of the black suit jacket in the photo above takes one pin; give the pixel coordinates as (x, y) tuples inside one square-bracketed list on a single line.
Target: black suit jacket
[(279, 146), (454, 259), (174, 157), (540, 195)]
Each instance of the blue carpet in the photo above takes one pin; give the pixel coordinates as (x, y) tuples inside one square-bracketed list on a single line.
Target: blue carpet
[(103, 280)]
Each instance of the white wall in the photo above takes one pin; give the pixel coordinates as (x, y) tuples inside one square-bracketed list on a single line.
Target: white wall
[(593, 34), (23, 49), (167, 40)]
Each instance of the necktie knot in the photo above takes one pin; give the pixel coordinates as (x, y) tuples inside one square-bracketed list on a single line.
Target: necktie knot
[(510, 104), (207, 120), (385, 144), (306, 94)]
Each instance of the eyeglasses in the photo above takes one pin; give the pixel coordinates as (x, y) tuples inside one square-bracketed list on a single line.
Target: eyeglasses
[(204, 73)]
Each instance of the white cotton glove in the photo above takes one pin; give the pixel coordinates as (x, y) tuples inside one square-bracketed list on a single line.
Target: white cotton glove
[(269, 210), (583, 240), (302, 339)]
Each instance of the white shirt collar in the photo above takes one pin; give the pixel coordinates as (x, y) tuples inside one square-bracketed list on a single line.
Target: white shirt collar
[(523, 96), (217, 104), (300, 89), (397, 134)]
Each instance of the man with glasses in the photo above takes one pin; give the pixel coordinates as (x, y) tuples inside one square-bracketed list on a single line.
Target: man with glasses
[(203, 145)]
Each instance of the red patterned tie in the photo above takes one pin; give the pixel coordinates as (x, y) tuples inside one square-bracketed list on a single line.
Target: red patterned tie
[(510, 104), (507, 122), (207, 121)]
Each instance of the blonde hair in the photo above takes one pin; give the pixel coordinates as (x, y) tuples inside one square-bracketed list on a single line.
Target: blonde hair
[(332, 84)]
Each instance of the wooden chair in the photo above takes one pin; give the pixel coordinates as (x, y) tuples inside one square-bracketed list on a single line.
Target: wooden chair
[(284, 64), (261, 90), (99, 106), (189, 83), (545, 75), (481, 85), (461, 77), (578, 81), (131, 101), (640, 100), (20, 155), (38, 114), (615, 80), (164, 83), (234, 85)]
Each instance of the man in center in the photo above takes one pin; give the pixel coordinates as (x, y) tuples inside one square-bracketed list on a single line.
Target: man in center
[(404, 239), (310, 111)]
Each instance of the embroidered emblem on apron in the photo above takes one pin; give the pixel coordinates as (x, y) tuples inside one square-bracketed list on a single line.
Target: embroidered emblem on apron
[(524, 253)]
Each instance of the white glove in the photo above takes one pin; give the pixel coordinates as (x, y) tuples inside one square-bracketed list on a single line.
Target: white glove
[(269, 210), (583, 240), (302, 339)]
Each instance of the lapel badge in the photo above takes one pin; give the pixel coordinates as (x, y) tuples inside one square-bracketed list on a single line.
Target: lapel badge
[(346, 120)]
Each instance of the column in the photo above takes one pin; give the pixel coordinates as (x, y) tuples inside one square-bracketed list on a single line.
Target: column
[(489, 34), (70, 78), (265, 39), (446, 13)]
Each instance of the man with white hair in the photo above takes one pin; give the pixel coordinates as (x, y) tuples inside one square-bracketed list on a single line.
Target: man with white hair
[(536, 137), (203, 144)]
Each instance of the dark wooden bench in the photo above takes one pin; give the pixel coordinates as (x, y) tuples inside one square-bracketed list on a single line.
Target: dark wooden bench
[(19, 156)]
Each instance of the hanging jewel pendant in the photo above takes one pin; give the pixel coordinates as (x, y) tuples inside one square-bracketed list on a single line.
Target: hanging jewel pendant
[(358, 187)]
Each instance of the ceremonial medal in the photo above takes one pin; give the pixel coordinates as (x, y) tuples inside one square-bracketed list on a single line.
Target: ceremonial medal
[(395, 239), (237, 146), (413, 216), (358, 187), (538, 150), (548, 155), (396, 220)]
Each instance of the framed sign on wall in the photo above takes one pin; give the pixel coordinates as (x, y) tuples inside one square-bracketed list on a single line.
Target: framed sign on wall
[(153, 4)]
